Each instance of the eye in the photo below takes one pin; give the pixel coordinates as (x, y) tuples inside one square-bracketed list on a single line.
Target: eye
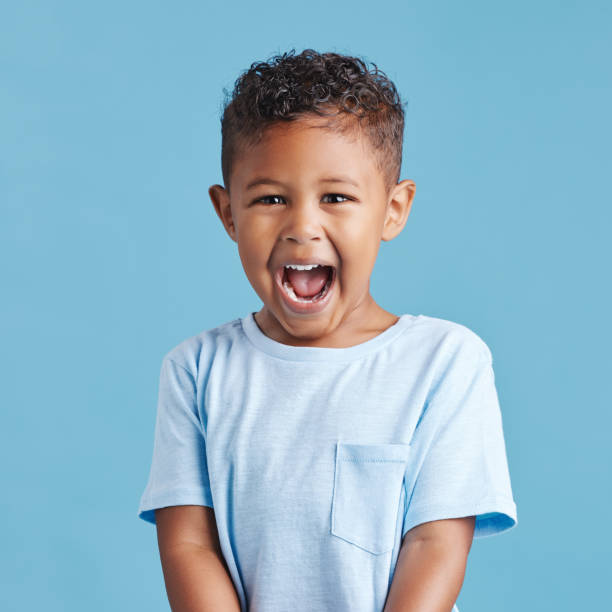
[(337, 198), (265, 199)]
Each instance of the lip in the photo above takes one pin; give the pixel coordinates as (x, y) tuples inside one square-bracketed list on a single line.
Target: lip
[(304, 261), (305, 307)]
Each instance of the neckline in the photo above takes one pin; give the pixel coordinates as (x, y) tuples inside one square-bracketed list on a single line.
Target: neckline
[(319, 353)]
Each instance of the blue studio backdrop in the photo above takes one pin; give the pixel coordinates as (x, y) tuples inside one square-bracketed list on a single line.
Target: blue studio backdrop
[(112, 254)]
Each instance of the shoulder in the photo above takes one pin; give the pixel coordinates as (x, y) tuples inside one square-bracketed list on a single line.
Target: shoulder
[(457, 358), (196, 352), (450, 339)]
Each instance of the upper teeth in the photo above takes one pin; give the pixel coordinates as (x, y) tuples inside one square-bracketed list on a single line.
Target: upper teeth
[(306, 267)]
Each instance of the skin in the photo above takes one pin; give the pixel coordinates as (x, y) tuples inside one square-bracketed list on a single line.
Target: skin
[(431, 565), (195, 572), (299, 212)]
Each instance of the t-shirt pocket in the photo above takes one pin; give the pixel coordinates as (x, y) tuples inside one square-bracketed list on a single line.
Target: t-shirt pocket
[(368, 480)]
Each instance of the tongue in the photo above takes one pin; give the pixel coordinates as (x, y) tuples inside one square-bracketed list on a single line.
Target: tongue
[(307, 283)]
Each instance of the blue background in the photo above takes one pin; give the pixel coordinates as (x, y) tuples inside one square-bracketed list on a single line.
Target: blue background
[(112, 254)]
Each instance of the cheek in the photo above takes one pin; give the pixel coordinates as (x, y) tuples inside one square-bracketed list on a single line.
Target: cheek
[(249, 254), (256, 232), (359, 243), (254, 255), (360, 232)]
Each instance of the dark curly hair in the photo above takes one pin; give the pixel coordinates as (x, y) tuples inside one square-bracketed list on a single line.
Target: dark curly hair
[(341, 87)]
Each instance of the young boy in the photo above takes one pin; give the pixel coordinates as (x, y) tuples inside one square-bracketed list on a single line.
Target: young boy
[(322, 454)]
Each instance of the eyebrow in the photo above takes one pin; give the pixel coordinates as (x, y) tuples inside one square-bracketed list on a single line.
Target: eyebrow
[(340, 179), (263, 181), (330, 179)]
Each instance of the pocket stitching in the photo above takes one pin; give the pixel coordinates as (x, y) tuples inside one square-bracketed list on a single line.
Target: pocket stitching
[(339, 459)]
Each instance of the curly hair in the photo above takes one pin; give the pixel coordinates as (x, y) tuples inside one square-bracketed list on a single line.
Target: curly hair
[(289, 86)]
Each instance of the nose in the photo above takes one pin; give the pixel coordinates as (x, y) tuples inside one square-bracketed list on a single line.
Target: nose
[(302, 222)]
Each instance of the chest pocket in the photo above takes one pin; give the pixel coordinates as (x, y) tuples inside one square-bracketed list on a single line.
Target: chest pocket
[(368, 482)]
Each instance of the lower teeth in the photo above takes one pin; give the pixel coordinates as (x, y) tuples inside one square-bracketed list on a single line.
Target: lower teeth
[(292, 294)]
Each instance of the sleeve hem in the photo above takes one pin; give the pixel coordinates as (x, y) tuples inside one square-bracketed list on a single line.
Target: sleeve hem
[(172, 497), (494, 515)]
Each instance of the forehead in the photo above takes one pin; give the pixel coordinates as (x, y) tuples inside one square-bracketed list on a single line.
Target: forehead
[(306, 149)]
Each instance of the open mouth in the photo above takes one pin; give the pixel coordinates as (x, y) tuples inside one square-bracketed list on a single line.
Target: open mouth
[(298, 291)]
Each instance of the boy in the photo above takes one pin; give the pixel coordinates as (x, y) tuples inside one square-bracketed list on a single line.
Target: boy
[(322, 454)]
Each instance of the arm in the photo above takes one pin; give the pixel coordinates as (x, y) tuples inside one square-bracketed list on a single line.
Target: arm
[(195, 572), (431, 566)]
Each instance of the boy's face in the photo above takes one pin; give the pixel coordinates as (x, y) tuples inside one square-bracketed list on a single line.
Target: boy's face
[(307, 194)]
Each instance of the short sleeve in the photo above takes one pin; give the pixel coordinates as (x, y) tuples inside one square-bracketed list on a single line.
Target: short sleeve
[(179, 471), (458, 464)]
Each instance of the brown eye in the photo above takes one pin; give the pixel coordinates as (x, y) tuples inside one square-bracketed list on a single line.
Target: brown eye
[(266, 199), (337, 198)]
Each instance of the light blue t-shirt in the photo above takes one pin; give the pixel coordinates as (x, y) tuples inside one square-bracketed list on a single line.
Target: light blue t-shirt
[(318, 460)]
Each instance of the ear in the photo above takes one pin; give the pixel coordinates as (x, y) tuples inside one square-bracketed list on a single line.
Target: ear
[(221, 201), (398, 209)]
